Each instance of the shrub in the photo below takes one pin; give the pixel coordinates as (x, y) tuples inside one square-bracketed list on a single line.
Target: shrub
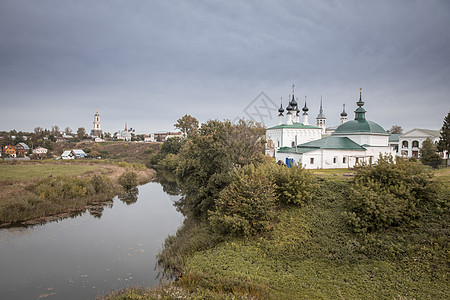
[(128, 180), (388, 194), (100, 184), (293, 185), (59, 188), (246, 206)]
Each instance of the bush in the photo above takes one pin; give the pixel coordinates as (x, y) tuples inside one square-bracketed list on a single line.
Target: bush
[(293, 185), (128, 180), (100, 184), (388, 194), (59, 188), (246, 206)]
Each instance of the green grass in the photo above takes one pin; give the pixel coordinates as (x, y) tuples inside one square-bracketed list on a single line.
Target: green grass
[(36, 171), (313, 254)]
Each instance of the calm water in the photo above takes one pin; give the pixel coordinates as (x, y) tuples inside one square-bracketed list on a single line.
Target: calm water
[(86, 256)]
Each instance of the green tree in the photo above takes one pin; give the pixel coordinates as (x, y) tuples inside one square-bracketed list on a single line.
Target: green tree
[(444, 142), (429, 155), (172, 145), (81, 133), (187, 125), (396, 129), (388, 193), (128, 180), (245, 207), (208, 157)]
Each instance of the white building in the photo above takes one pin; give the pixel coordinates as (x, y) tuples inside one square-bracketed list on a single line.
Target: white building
[(292, 132), (410, 142), (124, 135), (40, 151), (97, 130), (352, 142)]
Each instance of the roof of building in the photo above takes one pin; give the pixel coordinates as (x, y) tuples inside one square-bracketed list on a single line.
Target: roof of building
[(358, 126), (78, 151), (320, 115), (435, 133), (66, 153), (393, 137), (295, 126), (331, 142), (25, 146)]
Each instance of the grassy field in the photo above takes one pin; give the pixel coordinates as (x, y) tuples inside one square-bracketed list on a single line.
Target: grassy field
[(36, 171), (29, 194)]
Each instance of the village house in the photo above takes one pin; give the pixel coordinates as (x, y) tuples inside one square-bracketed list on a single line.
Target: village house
[(9, 151), (40, 152), (72, 154), (22, 150)]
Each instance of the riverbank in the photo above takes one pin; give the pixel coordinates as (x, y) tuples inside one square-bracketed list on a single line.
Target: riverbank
[(28, 191)]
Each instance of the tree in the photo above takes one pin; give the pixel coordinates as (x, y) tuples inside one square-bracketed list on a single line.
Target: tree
[(444, 142), (429, 155), (388, 193), (187, 125), (55, 130), (396, 129), (81, 133), (208, 157), (67, 130)]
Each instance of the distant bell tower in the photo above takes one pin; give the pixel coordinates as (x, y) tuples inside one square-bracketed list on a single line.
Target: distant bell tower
[(97, 131), (321, 120)]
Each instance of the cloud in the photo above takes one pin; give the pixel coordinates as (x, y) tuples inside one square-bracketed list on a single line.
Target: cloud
[(149, 63)]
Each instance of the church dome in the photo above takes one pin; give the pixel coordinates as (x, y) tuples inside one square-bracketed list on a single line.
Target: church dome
[(356, 126)]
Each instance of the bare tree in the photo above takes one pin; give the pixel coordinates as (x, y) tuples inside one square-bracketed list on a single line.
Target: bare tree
[(68, 130)]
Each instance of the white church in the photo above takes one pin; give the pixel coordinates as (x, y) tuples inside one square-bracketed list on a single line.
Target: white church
[(351, 142)]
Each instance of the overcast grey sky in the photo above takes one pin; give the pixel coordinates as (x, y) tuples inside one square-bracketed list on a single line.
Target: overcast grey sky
[(148, 63)]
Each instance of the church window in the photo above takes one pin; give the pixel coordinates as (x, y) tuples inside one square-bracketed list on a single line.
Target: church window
[(278, 144), (311, 160), (415, 144), (344, 160), (405, 144), (293, 144), (334, 160)]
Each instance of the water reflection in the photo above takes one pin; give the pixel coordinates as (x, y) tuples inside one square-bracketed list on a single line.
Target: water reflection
[(169, 182), (97, 210), (130, 196)]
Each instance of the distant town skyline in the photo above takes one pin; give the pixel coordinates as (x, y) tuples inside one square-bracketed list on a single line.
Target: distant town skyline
[(149, 63)]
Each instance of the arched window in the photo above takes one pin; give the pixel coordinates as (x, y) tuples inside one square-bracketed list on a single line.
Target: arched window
[(415, 144), (405, 144), (293, 144)]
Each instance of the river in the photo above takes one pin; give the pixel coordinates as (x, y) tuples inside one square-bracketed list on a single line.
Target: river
[(87, 256)]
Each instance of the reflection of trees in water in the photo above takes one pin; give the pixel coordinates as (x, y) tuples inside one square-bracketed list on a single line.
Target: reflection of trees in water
[(169, 182), (130, 196), (97, 210)]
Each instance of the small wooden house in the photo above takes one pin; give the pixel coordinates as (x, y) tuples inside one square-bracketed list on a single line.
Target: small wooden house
[(22, 149)]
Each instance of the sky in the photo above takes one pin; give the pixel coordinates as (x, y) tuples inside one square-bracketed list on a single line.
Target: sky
[(148, 63)]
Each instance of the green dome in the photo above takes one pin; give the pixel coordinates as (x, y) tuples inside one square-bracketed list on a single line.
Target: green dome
[(359, 126)]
